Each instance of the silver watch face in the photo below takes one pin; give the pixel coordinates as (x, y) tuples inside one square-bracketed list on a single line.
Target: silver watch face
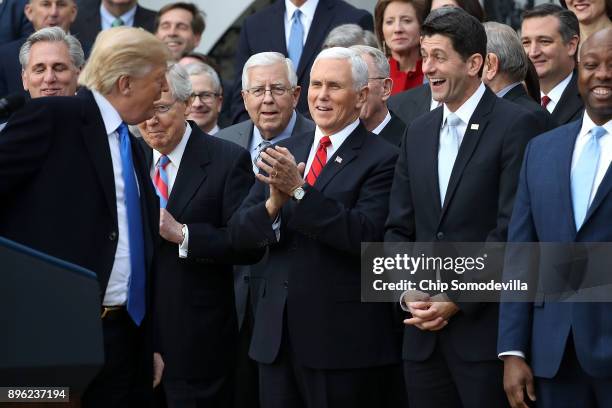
[(298, 194)]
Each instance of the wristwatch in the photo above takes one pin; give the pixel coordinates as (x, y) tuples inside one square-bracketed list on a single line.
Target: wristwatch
[(298, 194)]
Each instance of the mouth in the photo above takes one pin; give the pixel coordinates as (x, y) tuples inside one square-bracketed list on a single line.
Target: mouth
[(601, 92), (436, 83), (173, 43), (50, 91), (581, 6), (268, 114), (323, 108)]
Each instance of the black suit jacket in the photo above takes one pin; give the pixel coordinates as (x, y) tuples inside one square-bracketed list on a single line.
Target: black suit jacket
[(312, 274), (195, 314), (519, 95), (88, 23), (265, 31), (10, 68), (411, 104), (57, 180), (393, 132), (570, 106), (477, 207), (13, 22)]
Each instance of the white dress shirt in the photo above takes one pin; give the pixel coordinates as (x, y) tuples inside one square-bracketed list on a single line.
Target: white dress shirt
[(556, 92), (336, 141), (107, 18), (214, 130), (117, 288), (464, 112), (172, 169), (382, 124), (308, 11)]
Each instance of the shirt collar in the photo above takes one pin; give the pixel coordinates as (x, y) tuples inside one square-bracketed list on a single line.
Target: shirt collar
[(308, 9), (110, 116), (588, 124), (557, 91), (285, 134), (507, 89), (382, 124), (176, 154), (108, 18), (214, 130), (466, 110), (337, 138)]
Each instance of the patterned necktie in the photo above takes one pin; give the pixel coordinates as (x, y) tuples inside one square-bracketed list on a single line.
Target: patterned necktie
[(160, 180), (447, 153), (319, 161), (583, 175), (260, 148), (136, 289), (545, 101), (117, 22), (296, 39)]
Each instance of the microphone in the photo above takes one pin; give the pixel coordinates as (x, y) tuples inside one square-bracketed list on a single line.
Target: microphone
[(10, 104)]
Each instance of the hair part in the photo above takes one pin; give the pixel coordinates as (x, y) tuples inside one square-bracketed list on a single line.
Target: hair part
[(53, 34), (359, 68), (380, 60), (198, 22), (205, 69), (504, 42), (264, 59), (569, 27), (122, 51)]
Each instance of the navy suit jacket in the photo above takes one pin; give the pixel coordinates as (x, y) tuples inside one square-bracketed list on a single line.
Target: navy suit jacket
[(543, 213), (312, 274), (570, 106), (10, 68), (195, 295), (13, 22), (411, 104), (265, 31)]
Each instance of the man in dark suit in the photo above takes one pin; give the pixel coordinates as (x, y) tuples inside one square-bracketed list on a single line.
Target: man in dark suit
[(13, 22), (316, 344), (564, 196), (455, 182), (76, 187), (375, 116), (59, 13), (195, 314), (298, 36), (505, 69), (97, 16), (550, 35), (411, 104), (272, 119), (180, 26)]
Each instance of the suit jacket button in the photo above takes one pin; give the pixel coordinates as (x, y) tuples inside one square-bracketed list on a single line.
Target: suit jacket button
[(112, 236), (286, 284), (440, 236)]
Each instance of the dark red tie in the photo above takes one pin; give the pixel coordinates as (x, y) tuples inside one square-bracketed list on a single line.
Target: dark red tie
[(545, 101), (319, 160)]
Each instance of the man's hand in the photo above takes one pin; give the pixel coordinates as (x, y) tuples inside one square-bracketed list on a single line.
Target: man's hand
[(158, 369), (518, 378), (283, 172), (169, 228), (430, 315), (275, 202)]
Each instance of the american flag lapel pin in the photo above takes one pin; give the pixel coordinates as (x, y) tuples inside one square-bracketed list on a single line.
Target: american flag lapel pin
[(338, 159), (474, 126)]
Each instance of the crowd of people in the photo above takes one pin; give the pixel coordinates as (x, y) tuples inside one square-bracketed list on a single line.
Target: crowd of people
[(224, 219)]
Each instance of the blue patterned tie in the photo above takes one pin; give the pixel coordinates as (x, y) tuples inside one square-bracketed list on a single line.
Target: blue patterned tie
[(160, 180), (136, 289), (583, 175), (296, 39), (447, 154)]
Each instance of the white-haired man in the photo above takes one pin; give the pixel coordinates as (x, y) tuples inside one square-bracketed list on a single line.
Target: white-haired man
[(316, 344), (207, 97)]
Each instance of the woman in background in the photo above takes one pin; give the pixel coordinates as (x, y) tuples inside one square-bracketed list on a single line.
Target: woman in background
[(593, 15)]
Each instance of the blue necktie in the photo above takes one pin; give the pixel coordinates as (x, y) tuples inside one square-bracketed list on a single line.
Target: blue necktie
[(447, 154), (583, 175), (160, 180), (296, 39), (136, 289)]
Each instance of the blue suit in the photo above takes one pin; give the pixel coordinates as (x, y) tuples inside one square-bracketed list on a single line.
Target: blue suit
[(543, 213), (13, 22)]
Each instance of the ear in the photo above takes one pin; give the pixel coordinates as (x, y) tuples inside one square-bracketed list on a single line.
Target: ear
[(387, 87), (198, 38), (362, 96), (187, 107), (475, 62), (220, 103), (492, 63), (124, 85), (74, 12), (28, 11), (243, 93), (572, 45), (24, 80), (296, 95)]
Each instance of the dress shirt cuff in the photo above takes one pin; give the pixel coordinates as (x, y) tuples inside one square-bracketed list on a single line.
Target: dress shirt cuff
[(512, 353), (403, 305), (276, 226), (184, 246)]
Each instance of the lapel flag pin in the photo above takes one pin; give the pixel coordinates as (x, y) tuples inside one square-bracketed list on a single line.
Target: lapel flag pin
[(338, 159), (474, 126)]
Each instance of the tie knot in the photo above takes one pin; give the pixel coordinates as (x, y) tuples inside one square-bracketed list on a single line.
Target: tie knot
[(325, 142), (117, 22), (545, 100), (598, 131), (296, 15), (163, 161), (453, 120), (122, 130)]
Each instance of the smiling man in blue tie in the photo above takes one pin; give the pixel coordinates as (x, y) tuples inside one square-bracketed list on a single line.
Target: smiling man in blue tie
[(75, 186), (565, 195)]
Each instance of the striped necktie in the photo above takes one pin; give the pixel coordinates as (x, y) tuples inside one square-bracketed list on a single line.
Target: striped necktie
[(160, 180), (319, 161)]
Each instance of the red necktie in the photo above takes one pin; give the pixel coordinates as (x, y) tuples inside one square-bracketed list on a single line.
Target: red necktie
[(160, 180), (545, 101), (319, 160)]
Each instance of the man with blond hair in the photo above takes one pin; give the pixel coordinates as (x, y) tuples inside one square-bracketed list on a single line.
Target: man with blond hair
[(77, 188)]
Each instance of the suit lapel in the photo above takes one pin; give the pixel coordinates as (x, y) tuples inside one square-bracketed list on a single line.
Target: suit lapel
[(343, 156), (430, 145), (569, 103), (318, 30), (191, 173), (564, 166), (603, 191)]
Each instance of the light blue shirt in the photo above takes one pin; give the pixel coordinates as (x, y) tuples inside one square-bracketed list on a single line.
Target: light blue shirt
[(258, 138)]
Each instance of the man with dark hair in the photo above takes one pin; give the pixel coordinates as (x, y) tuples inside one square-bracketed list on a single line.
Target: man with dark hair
[(550, 36), (455, 182), (180, 27), (564, 195)]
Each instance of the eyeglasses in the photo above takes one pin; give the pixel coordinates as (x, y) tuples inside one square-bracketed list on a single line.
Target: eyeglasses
[(373, 78), (205, 97), (161, 109), (276, 90)]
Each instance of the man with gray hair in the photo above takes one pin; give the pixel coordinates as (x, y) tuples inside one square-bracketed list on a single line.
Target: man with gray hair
[(347, 35), (505, 69), (201, 180), (374, 114), (317, 198), (207, 97)]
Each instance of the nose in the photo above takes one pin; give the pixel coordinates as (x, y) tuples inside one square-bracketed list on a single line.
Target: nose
[(533, 50), (49, 75), (603, 72), (397, 26), (267, 97), (54, 9), (428, 66)]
